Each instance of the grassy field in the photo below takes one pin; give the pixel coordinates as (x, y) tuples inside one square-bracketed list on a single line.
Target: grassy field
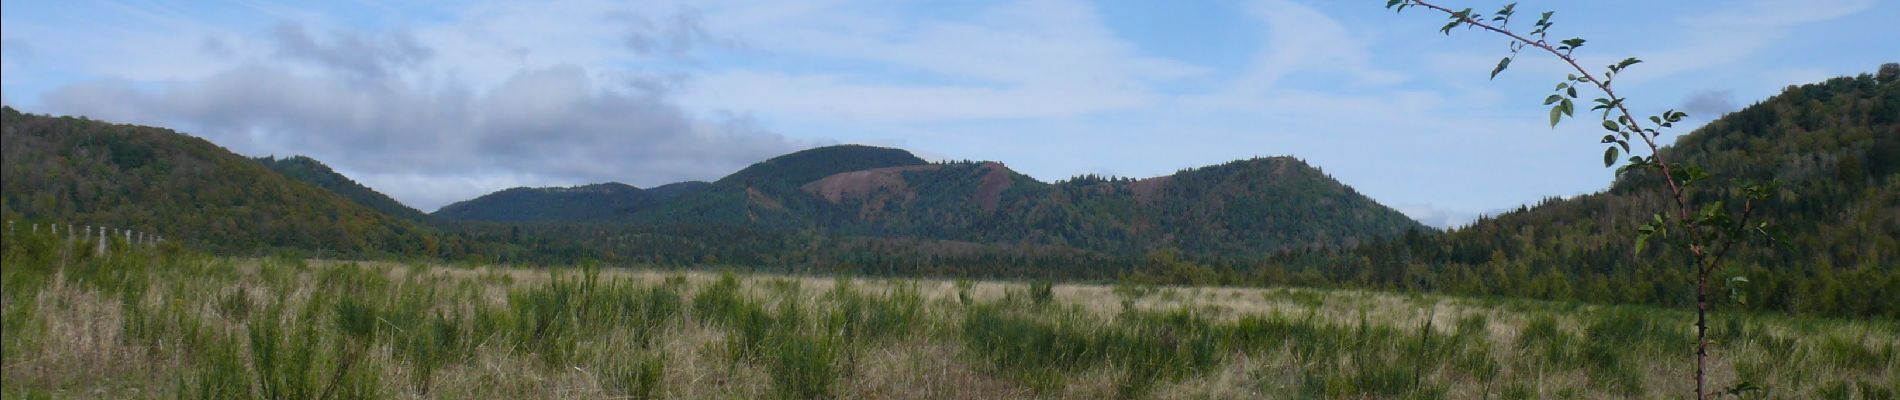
[(164, 323)]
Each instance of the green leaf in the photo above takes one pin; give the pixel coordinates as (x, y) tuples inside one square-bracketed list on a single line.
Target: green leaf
[(1626, 63), (1642, 240), (1553, 99), (1712, 214), (1609, 156), (1611, 126), (1502, 63), (1556, 113)]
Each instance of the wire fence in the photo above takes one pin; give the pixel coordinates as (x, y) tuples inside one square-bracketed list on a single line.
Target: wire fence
[(101, 239)]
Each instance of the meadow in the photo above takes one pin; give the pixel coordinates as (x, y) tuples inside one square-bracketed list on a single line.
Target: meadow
[(168, 323)]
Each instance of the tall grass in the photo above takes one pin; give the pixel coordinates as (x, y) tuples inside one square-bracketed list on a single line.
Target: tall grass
[(169, 323)]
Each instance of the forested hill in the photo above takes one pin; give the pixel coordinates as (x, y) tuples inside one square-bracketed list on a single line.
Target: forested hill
[(315, 172), (810, 165), (1245, 209), (1249, 207), (80, 171), (766, 194), (602, 202), (1835, 148)]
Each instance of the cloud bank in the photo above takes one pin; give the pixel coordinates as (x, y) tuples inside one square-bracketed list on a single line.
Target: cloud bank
[(381, 107)]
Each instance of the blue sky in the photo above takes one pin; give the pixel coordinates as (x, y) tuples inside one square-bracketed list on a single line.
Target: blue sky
[(439, 101)]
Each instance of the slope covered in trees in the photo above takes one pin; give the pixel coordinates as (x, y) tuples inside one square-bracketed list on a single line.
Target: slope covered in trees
[(596, 202), (80, 171), (316, 173), (1834, 147), (1243, 208), (807, 207)]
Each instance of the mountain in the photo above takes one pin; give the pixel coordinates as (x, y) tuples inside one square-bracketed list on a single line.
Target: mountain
[(802, 208), (812, 164), (766, 194), (1247, 207), (596, 202), (676, 189), (316, 173), (739, 198), (872, 208), (1834, 147), (80, 171)]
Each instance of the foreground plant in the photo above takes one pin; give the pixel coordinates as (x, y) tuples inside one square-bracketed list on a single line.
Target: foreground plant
[(1708, 233)]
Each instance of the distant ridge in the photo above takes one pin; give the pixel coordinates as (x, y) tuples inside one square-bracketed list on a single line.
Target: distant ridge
[(611, 201), (316, 173), (1247, 208)]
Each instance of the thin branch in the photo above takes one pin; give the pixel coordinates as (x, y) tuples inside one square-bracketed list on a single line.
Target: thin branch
[(1675, 191), (1729, 242)]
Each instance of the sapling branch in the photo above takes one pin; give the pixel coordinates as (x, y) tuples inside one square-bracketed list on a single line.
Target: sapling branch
[(1648, 135), (1714, 216), (1728, 241)]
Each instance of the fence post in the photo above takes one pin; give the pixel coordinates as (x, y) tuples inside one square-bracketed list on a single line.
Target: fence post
[(102, 241)]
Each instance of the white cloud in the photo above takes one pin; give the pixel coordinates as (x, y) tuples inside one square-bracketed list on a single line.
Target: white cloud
[(1303, 40), (1733, 33), (427, 114), (1014, 60)]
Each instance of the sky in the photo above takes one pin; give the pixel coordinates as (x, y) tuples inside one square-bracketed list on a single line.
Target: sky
[(434, 102)]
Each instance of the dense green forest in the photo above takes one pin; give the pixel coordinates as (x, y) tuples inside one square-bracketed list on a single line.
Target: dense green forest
[(1833, 146), (858, 194), (80, 171), (73, 170), (314, 172), (596, 202)]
